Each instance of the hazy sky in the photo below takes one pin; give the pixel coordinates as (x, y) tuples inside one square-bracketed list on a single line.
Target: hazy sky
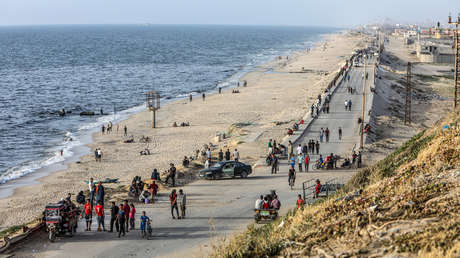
[(270, 12)]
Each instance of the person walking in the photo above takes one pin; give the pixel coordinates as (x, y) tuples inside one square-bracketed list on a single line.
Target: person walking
[(317, 147), (317, 188), (203, 96), (113, 217), (346, 105), (144, 219), (92, 190), (182, 201), (236, 155), (321, 135), (190, 97), (291, 149), (300, 160), (103, 129), (299, 150), (270, 147), (126, 209), (100, 193), (274, 164), (227, 155), (132, 216), (340, 133), (88, 212), (100, 216), (125, 129), (208, 153), (349, 105), (121, 217), (307, 162), (221, 155), (327, 134), (173, 201), (171, 175)]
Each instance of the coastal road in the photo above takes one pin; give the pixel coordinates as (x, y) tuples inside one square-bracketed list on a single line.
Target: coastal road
[(216, 208)]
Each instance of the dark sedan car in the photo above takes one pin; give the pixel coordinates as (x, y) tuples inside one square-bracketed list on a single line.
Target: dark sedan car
[(226, 169)]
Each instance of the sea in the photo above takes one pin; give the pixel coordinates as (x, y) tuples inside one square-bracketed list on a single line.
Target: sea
[(109, 68)]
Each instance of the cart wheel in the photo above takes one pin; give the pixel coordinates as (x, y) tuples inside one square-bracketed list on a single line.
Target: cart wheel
[(52, 236)]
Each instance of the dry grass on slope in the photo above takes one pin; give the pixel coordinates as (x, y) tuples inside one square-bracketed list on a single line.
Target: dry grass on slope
[(409, 205)]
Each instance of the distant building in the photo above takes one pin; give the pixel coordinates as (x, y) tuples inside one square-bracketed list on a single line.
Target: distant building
[(435, 51)]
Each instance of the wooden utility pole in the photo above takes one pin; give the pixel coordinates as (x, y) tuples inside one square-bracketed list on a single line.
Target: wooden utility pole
[(456, 63), (407, 113), (361, 142)]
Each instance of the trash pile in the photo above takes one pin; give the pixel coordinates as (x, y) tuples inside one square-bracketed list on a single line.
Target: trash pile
[(407, 204)]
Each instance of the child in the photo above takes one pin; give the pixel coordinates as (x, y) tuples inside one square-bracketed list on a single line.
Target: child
[(144, 220)]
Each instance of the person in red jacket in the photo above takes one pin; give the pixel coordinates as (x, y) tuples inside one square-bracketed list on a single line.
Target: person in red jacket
[(100, 216), (317, 188), (88, 211), (307, 162), (300, 202)]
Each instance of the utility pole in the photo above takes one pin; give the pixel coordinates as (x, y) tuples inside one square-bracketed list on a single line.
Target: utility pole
[(407, 113), (456, 64), (361, 142)]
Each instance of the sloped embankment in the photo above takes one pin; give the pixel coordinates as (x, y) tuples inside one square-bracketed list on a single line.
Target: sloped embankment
[(407, 204)]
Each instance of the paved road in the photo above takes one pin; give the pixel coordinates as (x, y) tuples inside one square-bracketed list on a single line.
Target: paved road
[(216, 208)]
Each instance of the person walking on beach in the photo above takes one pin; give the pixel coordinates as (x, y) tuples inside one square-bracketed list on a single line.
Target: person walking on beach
[(99, 154), (182, 201), (340, 133), (113, 217), (88, 212), (227, 155), (321, 135), (317, 147), (126, 130), (346, 105), (236, 155), (132, 216), (190, 97), (306, 162), (103, 129), (126, 210), (312, 110), (221, 155), (173, 201), (317, 110), (121, 217), (100, 216), (171, 175), (327, 134), (203, 96), (220, 90)]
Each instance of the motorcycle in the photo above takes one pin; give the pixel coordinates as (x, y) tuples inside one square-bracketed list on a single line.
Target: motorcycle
[(60, 219)]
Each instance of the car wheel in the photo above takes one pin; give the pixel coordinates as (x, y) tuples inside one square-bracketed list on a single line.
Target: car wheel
[(244, 174), (213, 177)]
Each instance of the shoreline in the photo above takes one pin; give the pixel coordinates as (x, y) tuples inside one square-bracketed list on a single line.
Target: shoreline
[(8, 188), (174, 105)]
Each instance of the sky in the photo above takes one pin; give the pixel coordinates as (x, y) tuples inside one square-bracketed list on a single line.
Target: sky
[(334, 13)]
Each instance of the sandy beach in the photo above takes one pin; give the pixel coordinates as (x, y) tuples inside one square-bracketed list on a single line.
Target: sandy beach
[(277, 94)]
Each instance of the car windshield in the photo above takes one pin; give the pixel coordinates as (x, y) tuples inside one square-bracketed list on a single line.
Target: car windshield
[(218, 164)]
